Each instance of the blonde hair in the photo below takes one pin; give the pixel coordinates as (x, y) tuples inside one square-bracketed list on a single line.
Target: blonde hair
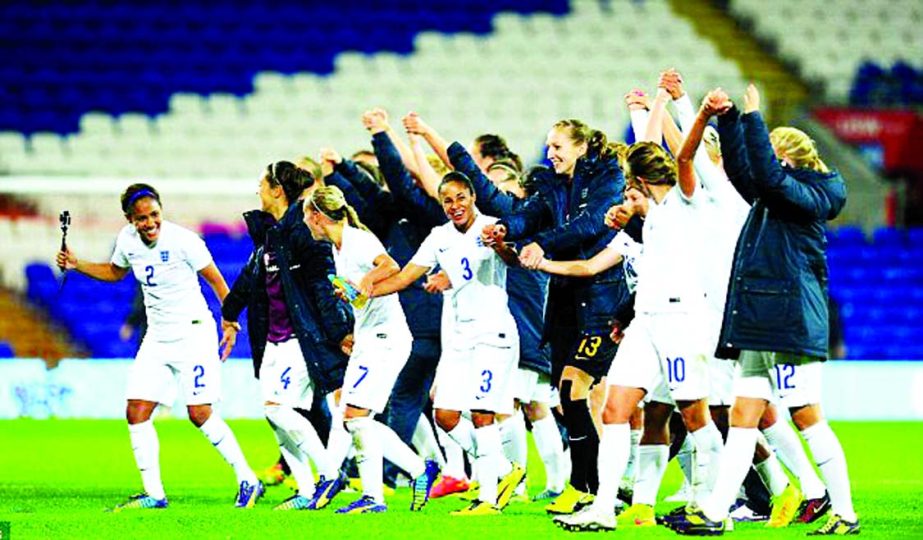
[(438, 165), (648, 160), (580, 133), (800, 149), (312, 167), (330, 201), (620, 150)]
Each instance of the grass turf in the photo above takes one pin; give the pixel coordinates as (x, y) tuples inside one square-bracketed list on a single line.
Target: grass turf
[(57, 477)]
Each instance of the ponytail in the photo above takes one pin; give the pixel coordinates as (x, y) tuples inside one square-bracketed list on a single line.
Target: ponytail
[(330, 201), (800, 149)]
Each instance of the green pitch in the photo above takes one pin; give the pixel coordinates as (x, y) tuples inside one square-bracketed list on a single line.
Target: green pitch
[(57, 476)]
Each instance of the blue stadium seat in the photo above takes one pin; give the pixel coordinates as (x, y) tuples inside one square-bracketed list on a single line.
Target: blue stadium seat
[(6, 350)]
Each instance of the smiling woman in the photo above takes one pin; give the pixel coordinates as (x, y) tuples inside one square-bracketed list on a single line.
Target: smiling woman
[(167, 260)]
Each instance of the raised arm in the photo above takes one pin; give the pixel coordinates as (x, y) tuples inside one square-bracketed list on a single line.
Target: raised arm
[(654, 129), (490, 199), (102, 271), (396, 175), (428, 176), (602, 261), (734, 151), (768, 175), (686, 156), (414, 124), (638, 106), (710, 175)]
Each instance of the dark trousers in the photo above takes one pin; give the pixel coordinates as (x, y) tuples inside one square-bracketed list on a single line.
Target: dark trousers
[(410, 394)]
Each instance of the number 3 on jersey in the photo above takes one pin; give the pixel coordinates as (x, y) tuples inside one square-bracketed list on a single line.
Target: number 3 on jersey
[(466, 265)]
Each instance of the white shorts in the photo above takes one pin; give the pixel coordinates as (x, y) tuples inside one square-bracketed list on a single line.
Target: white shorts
[(376, 362), (480, 377), (795, 383), (534, 386), (193, 359), (721, 373), (663, 353), (284, 376)]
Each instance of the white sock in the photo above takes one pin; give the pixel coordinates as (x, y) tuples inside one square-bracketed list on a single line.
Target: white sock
[(614, 449), (424, 440), (684, 458), (791, 453), (513, 434), (304, 437), (463, 435), (489, 456), (706, 460), (551, 449), (219, 434), (735, 462), (369, 456), (298, 464), (339, 441), (652, 463), (829, 456), (773, 476), (397, 452), (146, 447), (454, 456), (631, 470)]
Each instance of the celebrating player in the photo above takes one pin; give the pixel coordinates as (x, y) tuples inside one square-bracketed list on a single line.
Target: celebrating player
[(479, 354), (379, 353), (180, 341)]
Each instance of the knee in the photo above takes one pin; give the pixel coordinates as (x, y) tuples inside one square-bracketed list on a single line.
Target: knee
[(199, 414), (807, 416), (447, 420), (137, 413), (482, 419)]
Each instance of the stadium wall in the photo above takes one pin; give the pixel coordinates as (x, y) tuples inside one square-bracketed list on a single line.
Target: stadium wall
[(80, 388)]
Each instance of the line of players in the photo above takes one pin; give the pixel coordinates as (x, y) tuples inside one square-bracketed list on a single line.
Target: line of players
[(659, 286)]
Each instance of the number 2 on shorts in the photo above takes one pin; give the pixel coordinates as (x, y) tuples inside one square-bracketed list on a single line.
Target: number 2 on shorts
[(365, 371), (199, 371)]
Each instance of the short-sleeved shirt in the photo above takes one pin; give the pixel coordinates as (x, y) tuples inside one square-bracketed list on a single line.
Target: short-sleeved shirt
[(354, 259), (670, 279), (168, 273), (478, 299)]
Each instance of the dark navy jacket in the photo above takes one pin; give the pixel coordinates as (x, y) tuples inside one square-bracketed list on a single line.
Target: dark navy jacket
[(320, 320), (398, 222), (777, 296), (567, 220), (527, 289)]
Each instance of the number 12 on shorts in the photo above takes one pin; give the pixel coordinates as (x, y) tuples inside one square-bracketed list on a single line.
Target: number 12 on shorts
[(784, 374)]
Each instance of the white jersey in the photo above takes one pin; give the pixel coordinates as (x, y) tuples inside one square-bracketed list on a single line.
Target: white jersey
[(670, 279), (722, 221), (168, 273), (631, 251), (355, 258), (478, 301)]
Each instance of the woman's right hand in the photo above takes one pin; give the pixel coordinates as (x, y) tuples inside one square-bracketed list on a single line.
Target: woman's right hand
[(414, 125), (716, 102), (637, 100)]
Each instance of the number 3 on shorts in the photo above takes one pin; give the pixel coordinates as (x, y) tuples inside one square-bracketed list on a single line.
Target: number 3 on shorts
[(487, 380)]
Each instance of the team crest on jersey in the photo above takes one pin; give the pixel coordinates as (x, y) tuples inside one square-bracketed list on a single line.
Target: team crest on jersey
[(164, 256)]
